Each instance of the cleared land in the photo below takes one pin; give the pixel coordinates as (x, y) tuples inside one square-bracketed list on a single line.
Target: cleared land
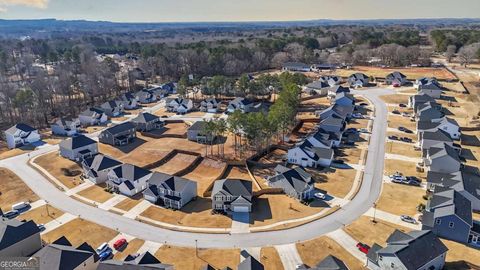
[(96, 193), (8, 153), (130, 249), (458, 254), (269, 209), (365, 231), (186, 258), (400, 121), (58, 166), (195, 214), (358, 123), (176, 164), (79, 231), (395, 98), (405, 167), (13, 190), (128, 203), (41, 215), (349, 155), (314, 251), (175, 128), (270, 259), (400, 199), (205, 173), (401, 149), (336, 182), (411, 73)]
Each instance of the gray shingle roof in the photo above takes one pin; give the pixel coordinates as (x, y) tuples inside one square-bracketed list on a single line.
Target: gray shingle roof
[(76, 142), (13, 231), (101, 162), (331, 263), (297, 178), (235, 187), (120, 128), (144, 261), (318, 85), (250, 263), (145, 117), (61, 255), (130, 172)]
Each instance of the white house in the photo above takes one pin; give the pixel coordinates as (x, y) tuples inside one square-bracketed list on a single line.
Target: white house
[(66, 127), (209, 105), (96, 168), (128, 179), (446, 124), (179, 105), (21, 134), (78, 148), (92, 117), (306, 155)]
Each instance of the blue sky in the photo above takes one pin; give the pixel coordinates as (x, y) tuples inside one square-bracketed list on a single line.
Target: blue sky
[(236, 10)]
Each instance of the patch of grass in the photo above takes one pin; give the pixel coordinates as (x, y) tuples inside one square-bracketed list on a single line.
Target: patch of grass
[(365, 231), (270, 259), (400, 199), (458, 253), (337, 182), (40, 215), (57, 166)]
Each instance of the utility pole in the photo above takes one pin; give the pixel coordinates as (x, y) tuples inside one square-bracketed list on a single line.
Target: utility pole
[(196, 248), (374, 212)]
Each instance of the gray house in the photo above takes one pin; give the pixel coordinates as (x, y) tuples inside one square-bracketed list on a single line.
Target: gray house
[(96, 168), (428, 113), (337, 89), (147, 122), (173, 191), (416, 100), (331, 80), (446, 124), (431, 138), (118, 135), (358, 80), (92, 117), (196, 133), (250, 263), (242, 104), (296, 183), (424, 81), (332, 124), (416, 250), (317, 88), (433, 89), (78, 148), (66, 126), (128, 179), (396, 79), (62, 255), (295, 66), (344, 99), (143, 261), (232, 195), (18, 238), (129, 101), (330, 263), (442, 158), (449, 215), (113, 108), (344, 112), (145, 96)]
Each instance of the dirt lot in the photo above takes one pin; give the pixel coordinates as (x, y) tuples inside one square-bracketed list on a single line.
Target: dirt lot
[(365, 231), (400, 121), (96, 193), (176, 128), (79, 231), (269, 209), (205, 173), (185, 258), (400, 199), (270, 259), (128, 203), (314, 251), (358, 123), (411, 73), (129, 249), (277, 155), (336, 182), (40, 215), (402, 149), (317, 101), (395, 98), (195, 214), (405, 167), (8, 153), (458, 253), (54, 163), (163, 112), (176, 164), (350, 155), (13, 190)]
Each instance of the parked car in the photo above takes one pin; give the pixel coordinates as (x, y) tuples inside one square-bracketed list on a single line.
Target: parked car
[(364, 248), (357, 115), (20, 206), (405, 139), (320, 195), (402, 128), (41, 227), (408, 219), (351, 130), (363, 130), (119, 243), (103, 247), (11, 214), (105, 255), (393, 138), (401, 105), (395, 112)]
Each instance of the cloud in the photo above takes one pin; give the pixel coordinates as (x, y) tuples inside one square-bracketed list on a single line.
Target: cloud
[(41, 4)]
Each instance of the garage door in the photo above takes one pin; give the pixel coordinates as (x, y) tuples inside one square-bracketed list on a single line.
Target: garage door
[(240, 209)]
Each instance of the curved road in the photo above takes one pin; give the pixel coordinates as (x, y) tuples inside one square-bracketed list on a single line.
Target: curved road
[(367, 195)]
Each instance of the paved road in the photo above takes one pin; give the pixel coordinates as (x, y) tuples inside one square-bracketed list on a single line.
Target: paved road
[(367, 195)]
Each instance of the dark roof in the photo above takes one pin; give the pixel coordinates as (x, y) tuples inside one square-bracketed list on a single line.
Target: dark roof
[(170, 182), (145, 117), (359, 76), (438, 135), (332, 121), (443, 149), (295, 65), (120, 128), (61, 255), (318, 85), (13, 231), (250, 263), (130, 172), (76, 142), (424, 125), (144, 261), (331, 263), (101, 162), (339, 89), (396, 75), (199, 125), (22, 127), (450, 202), (235, 187), (430, 86), (297, 178), (92, 111)]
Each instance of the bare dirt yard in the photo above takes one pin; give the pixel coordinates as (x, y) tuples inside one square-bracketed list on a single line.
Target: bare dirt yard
[(402, 149), (276, 156), (96, 193), (405, 167), (365, 231), (130, 249), (205, 173), (269, 209), (13, 190), (176, 128), (350, 155), (395, 99), (195, 214), (42, 214), (458, 254), (176, 164), (79, 231), (337, 182), (270, 259), (358, 123), (5, 152), (411, 73), (129, 203), (65, 170), (314, 251), (395, 121), (400, 199), (186, 258)]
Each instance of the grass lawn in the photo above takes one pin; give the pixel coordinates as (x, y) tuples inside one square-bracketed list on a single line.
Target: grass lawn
[(337, 182), (405, 167), (195, 214), (316, 101), (13, 190), (358, 123), (350, 155), (54, 163), (402, 149), (131, 248), (78, 231), (400, 134), (205, 173), (96, 193), (269, 209), (176, 164), (395, 121), (186, 258), (314, 251), (128, 203), (40, 214), (270, 259), (395, 98), (365, 231), (400, 199), (8, 153), (458, 253)]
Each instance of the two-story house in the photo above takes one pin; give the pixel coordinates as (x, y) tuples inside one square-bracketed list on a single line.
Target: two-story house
[(357, 80), (18, 238), (129, 101), (128, 179), (92, 117), (179, 105), (209, 105), (96, 168), (21, 134), (242, 104), (296, 182), (232, 195), (118, 135), (145, 96), (78, 148), (147, 122), (66, 126), (306, 155), (446, 124), (171, 191), (113, 108), (442, 158), (396, 79)]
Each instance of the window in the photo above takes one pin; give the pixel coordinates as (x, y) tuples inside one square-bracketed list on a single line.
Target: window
[(451, 224), (392, 265), (438, 221)]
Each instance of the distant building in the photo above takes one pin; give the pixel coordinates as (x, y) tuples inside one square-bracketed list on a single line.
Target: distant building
[(396, 79), (317, 88), (113, 108), (295, 66), (209, 105), (118, 135), (179, 105), (357, 80), (21, 134), (92, 117), (145, 96), (66, 126), (147, 122), (129, 101), (196, 133)]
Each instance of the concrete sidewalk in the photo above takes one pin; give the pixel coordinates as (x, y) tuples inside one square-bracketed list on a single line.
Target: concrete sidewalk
[(348, 243), (79, 188), (149, 246), (289, 256), (385, 216), (402, 158), (138, 209), (52, 225), (110, 203)]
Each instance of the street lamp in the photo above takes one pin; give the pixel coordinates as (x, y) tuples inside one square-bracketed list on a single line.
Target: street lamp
[(196, 248)]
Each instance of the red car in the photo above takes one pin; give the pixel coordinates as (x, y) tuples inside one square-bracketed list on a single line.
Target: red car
[(363, 247), (119, 243)]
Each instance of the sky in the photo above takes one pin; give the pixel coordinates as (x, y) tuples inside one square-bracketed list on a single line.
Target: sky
[(235, 10)]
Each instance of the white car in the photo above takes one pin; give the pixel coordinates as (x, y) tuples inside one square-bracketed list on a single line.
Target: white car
[(320, 195), (103, 247)]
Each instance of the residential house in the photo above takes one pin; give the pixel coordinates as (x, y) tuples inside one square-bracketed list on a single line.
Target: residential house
[(433, 89), (424, 81), (396, 79), (330, 263), (179, 105), (416, 250), (129, 101), (78, 148), (250, 263), (93, 117), (118, 135), (172, 191), (60, 255), (21, 134), (296, 183), (306, 155), (448, 214), (344, 99), (330, 138), (317, 88), (320, 139), (113, 108), (344, 112), (66, 126), (159, 92), (446, 124), (197, 133), (442, 158), (170, 87), (431, 138), (337, 89), (242, 104), (331, 80), (358, 80), (429, 113), (232, 195), (320, 67), (147, 122), (416, 100), (18, 238), (142, 261), (295, 66), (96, 168), (332, 124), (145, 96), (128, 179), (209, 105)]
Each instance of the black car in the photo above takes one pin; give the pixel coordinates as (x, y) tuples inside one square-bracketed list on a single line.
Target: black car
[(401, 105), (339, 161), (363, 104), (405, 139), (402, 128), (408, 131), (393, 138), (395, 112)]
